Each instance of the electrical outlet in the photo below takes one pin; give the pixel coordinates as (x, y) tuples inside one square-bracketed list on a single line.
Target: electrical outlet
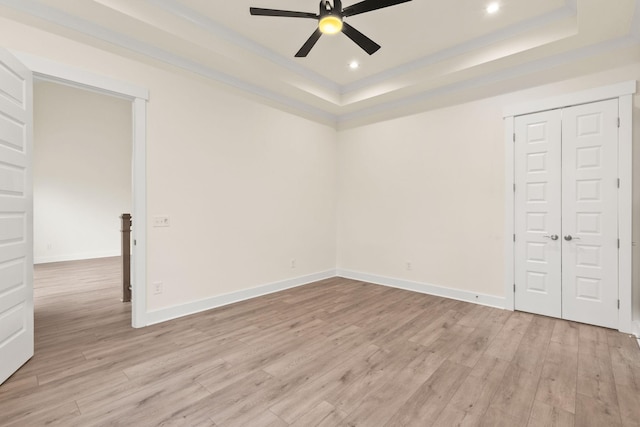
[(161, 221), (157, 288), (293, 263), (408, 266), (49, 246)]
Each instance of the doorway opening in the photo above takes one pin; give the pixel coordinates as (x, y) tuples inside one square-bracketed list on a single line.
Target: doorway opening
[(82, 183), (47, 70)]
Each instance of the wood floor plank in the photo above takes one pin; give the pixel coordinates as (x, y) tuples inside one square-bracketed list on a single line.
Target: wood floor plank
[(349, 397), (61, 415), (18, 386), (532, 350), (57, 393), (595, 373), (148, 405), (316, 416), (426, 403), (470, 402), (292, 406), (515, 395), (592, 412), (543, 415), (497, 418), (558, 380), (473, 347), (566, 333), (336, 353), (625, 365), (437, 328)]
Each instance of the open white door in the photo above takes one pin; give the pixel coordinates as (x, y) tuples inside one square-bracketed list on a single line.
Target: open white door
[(16, 215)]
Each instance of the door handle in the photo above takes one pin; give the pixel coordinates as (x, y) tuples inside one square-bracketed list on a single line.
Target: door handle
[(552, 236), (569, 237)]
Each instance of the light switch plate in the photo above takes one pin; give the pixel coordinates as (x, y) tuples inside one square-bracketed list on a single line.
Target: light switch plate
[(161, 221)]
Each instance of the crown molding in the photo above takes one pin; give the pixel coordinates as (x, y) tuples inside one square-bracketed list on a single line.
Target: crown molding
[(363, 116), (569, 10), (63, 19), (331, 114)]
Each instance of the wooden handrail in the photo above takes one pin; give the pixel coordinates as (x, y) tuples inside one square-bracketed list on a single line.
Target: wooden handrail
[(126, 256)]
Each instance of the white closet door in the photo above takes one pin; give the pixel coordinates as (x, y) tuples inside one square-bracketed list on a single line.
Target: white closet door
[(590, 213), (537, 219)]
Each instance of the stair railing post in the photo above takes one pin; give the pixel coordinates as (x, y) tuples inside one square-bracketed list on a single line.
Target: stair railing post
[(126, 256)]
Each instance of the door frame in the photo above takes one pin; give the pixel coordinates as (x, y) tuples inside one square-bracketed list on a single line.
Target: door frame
[(48, 70), (623, 92)]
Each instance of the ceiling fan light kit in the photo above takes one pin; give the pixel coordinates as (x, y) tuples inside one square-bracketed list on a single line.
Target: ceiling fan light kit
[(331, 21), (330, 24)]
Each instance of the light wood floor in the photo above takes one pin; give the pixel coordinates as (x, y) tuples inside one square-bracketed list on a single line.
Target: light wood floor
[(334, 353)]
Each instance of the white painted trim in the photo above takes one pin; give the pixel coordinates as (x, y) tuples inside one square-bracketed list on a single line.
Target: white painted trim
[(65, 74), (584, 97), (46, 69), (509, 221), (194, 307), (139, 215), (425, 288), (76, 257), (622, 91), (636, 330), (625, 210)]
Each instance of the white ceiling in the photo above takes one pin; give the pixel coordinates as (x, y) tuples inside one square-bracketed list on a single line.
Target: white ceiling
[(432, 51)]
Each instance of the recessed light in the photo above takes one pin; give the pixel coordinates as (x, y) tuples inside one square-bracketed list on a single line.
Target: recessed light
[(354, 65), (493, 8)]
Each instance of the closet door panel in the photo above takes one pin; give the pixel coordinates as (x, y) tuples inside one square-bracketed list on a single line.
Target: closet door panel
[(537, 213), (590, 213)]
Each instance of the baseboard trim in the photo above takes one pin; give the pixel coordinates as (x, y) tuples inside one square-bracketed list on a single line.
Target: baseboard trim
[(75, 257), (426, 288), (194, 307)]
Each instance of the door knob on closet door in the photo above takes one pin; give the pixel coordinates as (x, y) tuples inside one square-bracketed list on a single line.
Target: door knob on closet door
[(569, 237), (552, 236)]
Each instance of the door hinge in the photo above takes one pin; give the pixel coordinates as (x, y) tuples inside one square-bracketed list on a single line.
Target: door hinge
[(514, 237), (618, 304), (135, 242), (514, 137), (514, 188), (618, 182), (618, 243), (618, 121), (514, 287)]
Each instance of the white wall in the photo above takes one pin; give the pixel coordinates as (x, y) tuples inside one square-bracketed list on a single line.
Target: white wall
[(82, 172), (426, 189), (429, 189), (247, 187)]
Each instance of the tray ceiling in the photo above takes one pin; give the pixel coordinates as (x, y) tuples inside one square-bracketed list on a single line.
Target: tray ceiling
[(432, 52)]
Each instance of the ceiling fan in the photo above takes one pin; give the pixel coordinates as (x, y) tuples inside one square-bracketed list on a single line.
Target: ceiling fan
[(331, 21)]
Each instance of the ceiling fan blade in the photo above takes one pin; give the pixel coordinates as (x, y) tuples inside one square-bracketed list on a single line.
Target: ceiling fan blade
[(286, 13), (306, 47), (368, 6), (337, 5), (360, 39)]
